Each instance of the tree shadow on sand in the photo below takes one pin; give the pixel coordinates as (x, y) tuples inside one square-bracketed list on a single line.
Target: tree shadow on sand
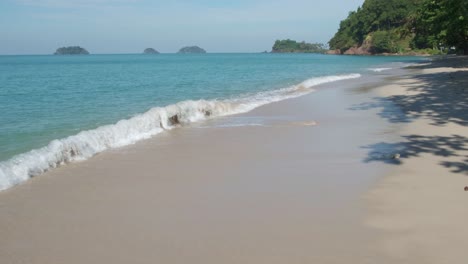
[(416, 145), (451, 61), (442, 99)]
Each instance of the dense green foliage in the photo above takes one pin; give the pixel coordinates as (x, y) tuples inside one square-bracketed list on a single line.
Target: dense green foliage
[(383, 41), (290, 46), (401, 25), (73, 50), (442, 23)]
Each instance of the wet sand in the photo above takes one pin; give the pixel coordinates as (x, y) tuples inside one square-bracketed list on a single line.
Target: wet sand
[(281, 184)]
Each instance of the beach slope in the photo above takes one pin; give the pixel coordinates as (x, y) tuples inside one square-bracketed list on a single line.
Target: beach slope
[(421, 206), (280, 184)]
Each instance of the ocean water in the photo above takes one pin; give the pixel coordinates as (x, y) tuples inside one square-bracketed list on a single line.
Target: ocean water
[(59, 109)]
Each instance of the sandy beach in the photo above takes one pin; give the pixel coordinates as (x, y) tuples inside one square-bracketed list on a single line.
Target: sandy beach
[(422, 205), (305, 180)]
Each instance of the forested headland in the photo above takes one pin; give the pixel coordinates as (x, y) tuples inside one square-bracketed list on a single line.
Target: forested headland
[(292, 46), (404, 27)]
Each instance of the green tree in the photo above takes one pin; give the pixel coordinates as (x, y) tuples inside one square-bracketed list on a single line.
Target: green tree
[(453, 27), (346, 37), (373, 16), (381, 41), (442, 23)]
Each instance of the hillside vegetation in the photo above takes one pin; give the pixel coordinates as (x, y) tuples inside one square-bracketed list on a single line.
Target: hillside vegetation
[(403, 26)]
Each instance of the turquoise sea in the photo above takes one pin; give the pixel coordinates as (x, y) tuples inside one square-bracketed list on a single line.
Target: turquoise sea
[(58, 109)]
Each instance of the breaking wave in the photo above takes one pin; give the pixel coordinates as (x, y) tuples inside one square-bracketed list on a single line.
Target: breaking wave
[(142, 126)]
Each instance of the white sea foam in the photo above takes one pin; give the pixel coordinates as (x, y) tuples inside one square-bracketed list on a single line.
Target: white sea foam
[(88, 143), (379, 69)]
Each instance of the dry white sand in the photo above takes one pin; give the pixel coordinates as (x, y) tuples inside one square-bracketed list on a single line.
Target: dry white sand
[(421, 206)]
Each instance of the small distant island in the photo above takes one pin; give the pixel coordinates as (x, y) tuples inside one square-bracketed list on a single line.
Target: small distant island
[(191, 49), (72, 50), (150, 51), (292, 46)]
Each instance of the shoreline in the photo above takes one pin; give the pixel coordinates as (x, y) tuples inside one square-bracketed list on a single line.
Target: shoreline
[(283, 186), (87, 143)]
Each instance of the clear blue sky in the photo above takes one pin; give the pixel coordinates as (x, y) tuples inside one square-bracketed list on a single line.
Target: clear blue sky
[(129, 26)]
